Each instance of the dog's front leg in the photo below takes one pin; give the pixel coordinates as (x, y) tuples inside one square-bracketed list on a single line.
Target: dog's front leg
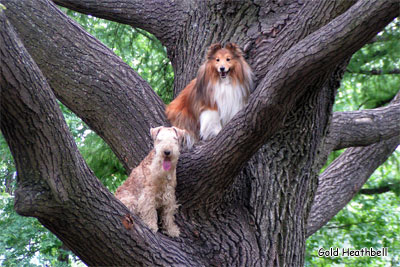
[(169, 208), (210, 124), (147, 210)]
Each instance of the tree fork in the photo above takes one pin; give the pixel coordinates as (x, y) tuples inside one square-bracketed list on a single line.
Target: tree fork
[(102, 96), (277, 94), (266, 215), (70, 197)]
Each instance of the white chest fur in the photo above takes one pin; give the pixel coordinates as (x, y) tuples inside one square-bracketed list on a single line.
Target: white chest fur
[(229, 98)]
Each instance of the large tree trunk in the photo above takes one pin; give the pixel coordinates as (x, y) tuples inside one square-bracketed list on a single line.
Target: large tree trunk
[(247, 194)]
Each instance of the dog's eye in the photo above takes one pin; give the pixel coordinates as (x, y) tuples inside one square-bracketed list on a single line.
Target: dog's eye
[(217, 59), (228, 59)]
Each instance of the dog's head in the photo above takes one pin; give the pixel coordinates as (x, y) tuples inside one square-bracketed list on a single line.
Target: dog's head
[(167, 142), (225, 58)]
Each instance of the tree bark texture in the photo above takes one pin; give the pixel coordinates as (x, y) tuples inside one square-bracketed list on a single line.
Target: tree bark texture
[(246, 195), (80, 82), (365, 127), (54, 183), (344, 177)]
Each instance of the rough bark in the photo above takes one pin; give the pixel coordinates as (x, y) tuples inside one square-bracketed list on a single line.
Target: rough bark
[(90, 79), (164, 19), (54, 183), (344, 177), (276, 96), (311, 17), (362, 128), (225, 218), (342, 180)]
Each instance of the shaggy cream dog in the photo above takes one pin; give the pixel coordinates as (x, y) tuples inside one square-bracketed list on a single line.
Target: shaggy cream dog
[(151, 185)]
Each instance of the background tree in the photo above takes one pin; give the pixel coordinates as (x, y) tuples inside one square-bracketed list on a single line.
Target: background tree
[(237, 200)]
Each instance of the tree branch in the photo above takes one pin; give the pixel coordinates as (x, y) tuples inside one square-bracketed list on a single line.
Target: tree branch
[(54, 183), (379, 190), (160, 18), (344, 178), (343, 226), (382, 38), (305, 65), (90, 79), (204, 173), (312, 16), (362, 128), (271, 102), (375, 72)]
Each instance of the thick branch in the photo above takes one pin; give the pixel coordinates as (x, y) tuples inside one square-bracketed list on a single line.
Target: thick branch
[(362, 128), (311, 17), (160, 18), (89, 78), (54, 183), (301, 68)]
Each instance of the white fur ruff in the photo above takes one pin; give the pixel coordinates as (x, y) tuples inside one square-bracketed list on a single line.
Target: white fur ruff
[(229, 98)]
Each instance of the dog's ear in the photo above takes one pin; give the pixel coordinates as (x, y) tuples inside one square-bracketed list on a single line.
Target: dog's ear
[(180, 133), (234, 49), (212, 49), (154, 132)]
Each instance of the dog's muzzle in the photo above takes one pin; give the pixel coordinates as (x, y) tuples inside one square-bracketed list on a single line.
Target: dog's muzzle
[(223, 73), (167, 164)]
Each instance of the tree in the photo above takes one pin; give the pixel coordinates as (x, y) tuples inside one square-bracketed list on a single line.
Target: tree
[(247, 192)]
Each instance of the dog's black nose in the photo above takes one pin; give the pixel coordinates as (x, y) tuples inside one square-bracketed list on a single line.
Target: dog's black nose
[(222, 69), (167, 152)]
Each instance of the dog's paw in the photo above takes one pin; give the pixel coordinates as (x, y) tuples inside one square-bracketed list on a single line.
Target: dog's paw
[(153, 227), (173, 231)]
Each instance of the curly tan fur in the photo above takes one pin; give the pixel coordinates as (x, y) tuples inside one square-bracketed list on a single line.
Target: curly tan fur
[(151, 185)]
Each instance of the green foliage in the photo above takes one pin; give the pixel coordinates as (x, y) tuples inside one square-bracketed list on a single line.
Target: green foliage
[(24, 241), (103, 162), (7, 169), (97, 154), (76, 126), (361, 88), (368, 220), (138, 48)]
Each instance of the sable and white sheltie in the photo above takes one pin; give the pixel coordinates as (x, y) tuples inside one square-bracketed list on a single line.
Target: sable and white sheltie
[(219, 91)]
